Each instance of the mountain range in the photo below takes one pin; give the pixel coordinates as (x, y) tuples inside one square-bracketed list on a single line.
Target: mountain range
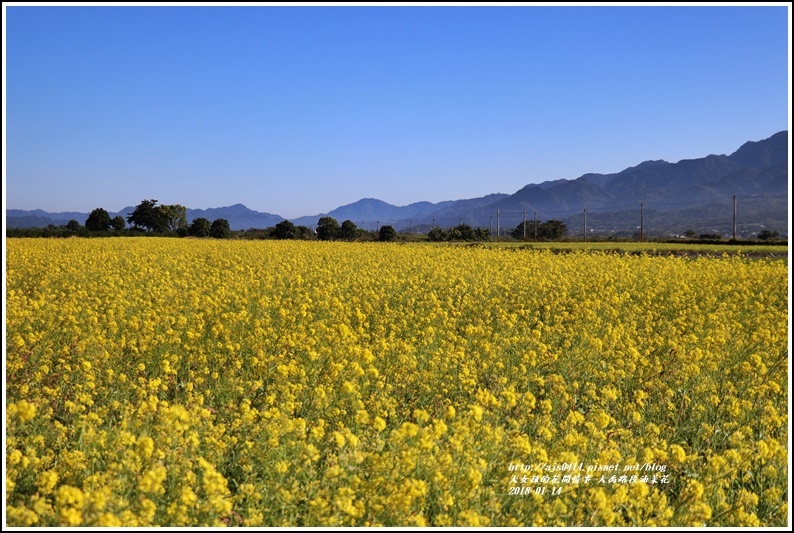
[(669, 198)]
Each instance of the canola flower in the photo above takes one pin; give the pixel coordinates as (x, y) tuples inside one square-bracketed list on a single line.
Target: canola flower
[(203, 383)]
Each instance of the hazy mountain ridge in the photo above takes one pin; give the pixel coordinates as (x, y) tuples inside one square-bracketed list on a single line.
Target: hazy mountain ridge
[(238, 215), (757, 170)]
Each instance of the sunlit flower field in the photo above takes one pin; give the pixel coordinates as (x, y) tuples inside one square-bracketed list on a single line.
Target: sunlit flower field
[(260, 383)]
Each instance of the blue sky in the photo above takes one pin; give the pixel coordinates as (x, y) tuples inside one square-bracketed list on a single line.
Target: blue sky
[(298, 110)]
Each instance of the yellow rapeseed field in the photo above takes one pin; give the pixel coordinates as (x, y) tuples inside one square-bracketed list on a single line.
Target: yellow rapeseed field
[(154, 381)]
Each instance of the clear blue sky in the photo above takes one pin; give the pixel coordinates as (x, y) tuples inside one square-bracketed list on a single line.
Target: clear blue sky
[(298, 110)]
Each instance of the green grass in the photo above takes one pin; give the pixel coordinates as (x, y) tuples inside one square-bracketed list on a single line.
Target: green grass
[(648, 247)]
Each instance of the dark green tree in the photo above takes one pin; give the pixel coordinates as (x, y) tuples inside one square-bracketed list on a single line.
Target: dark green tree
[(220, 229), (327, 229), (482, 234), (117, 223), (305, 233), (200, 227), (437, 234), (73, 225), (462, 232), (285, 230), (551, 230), (766, 234), (349, 231), (386, 233), (147, 216), (518, 231), (159, 218), (98, 220)]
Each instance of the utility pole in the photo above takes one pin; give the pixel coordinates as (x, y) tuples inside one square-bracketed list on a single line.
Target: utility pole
[(584, 227), (734, 217), (642, 222), (490, 225), (525, 225), (497, 225), (535, 220)]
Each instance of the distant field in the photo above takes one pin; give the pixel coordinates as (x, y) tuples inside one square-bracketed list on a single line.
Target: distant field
[(176, 382), (649, 247)]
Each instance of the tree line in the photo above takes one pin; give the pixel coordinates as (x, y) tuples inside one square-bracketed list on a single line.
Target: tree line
[(173, 218), (146, 218), (329, 229), (551, 230), (152, 219)]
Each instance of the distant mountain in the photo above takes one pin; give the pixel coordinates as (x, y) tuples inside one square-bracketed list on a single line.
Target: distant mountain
[(239, 217), (19, 218), (369, 212), (762, 154), (684, 194), (690, 194), (366, 209), (33, 221)]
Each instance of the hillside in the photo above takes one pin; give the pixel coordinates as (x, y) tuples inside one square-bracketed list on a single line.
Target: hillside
[(692, 194)]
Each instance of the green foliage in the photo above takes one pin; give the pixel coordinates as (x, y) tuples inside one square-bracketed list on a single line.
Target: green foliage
[(461, 232), (73, 225), (285, 230), (117, 223), (173, 217), (386, 233), (158, 218), (200, 227), (305, 233), (252, 234), (349, 231), (551, 230), (98, 220), (437, 234), (766, 235), (220, 229), (327, 229), (482, 234), (146, 216)]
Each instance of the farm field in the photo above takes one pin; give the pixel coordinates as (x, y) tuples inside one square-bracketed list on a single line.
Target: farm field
[(648, 247), (154, 381)]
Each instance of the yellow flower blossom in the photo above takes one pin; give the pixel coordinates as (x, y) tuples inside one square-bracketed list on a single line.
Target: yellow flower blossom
[(678, 453), (47, 481), (151, 482), (378, 423), (145, 446), (26, 410), (197, 382)]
